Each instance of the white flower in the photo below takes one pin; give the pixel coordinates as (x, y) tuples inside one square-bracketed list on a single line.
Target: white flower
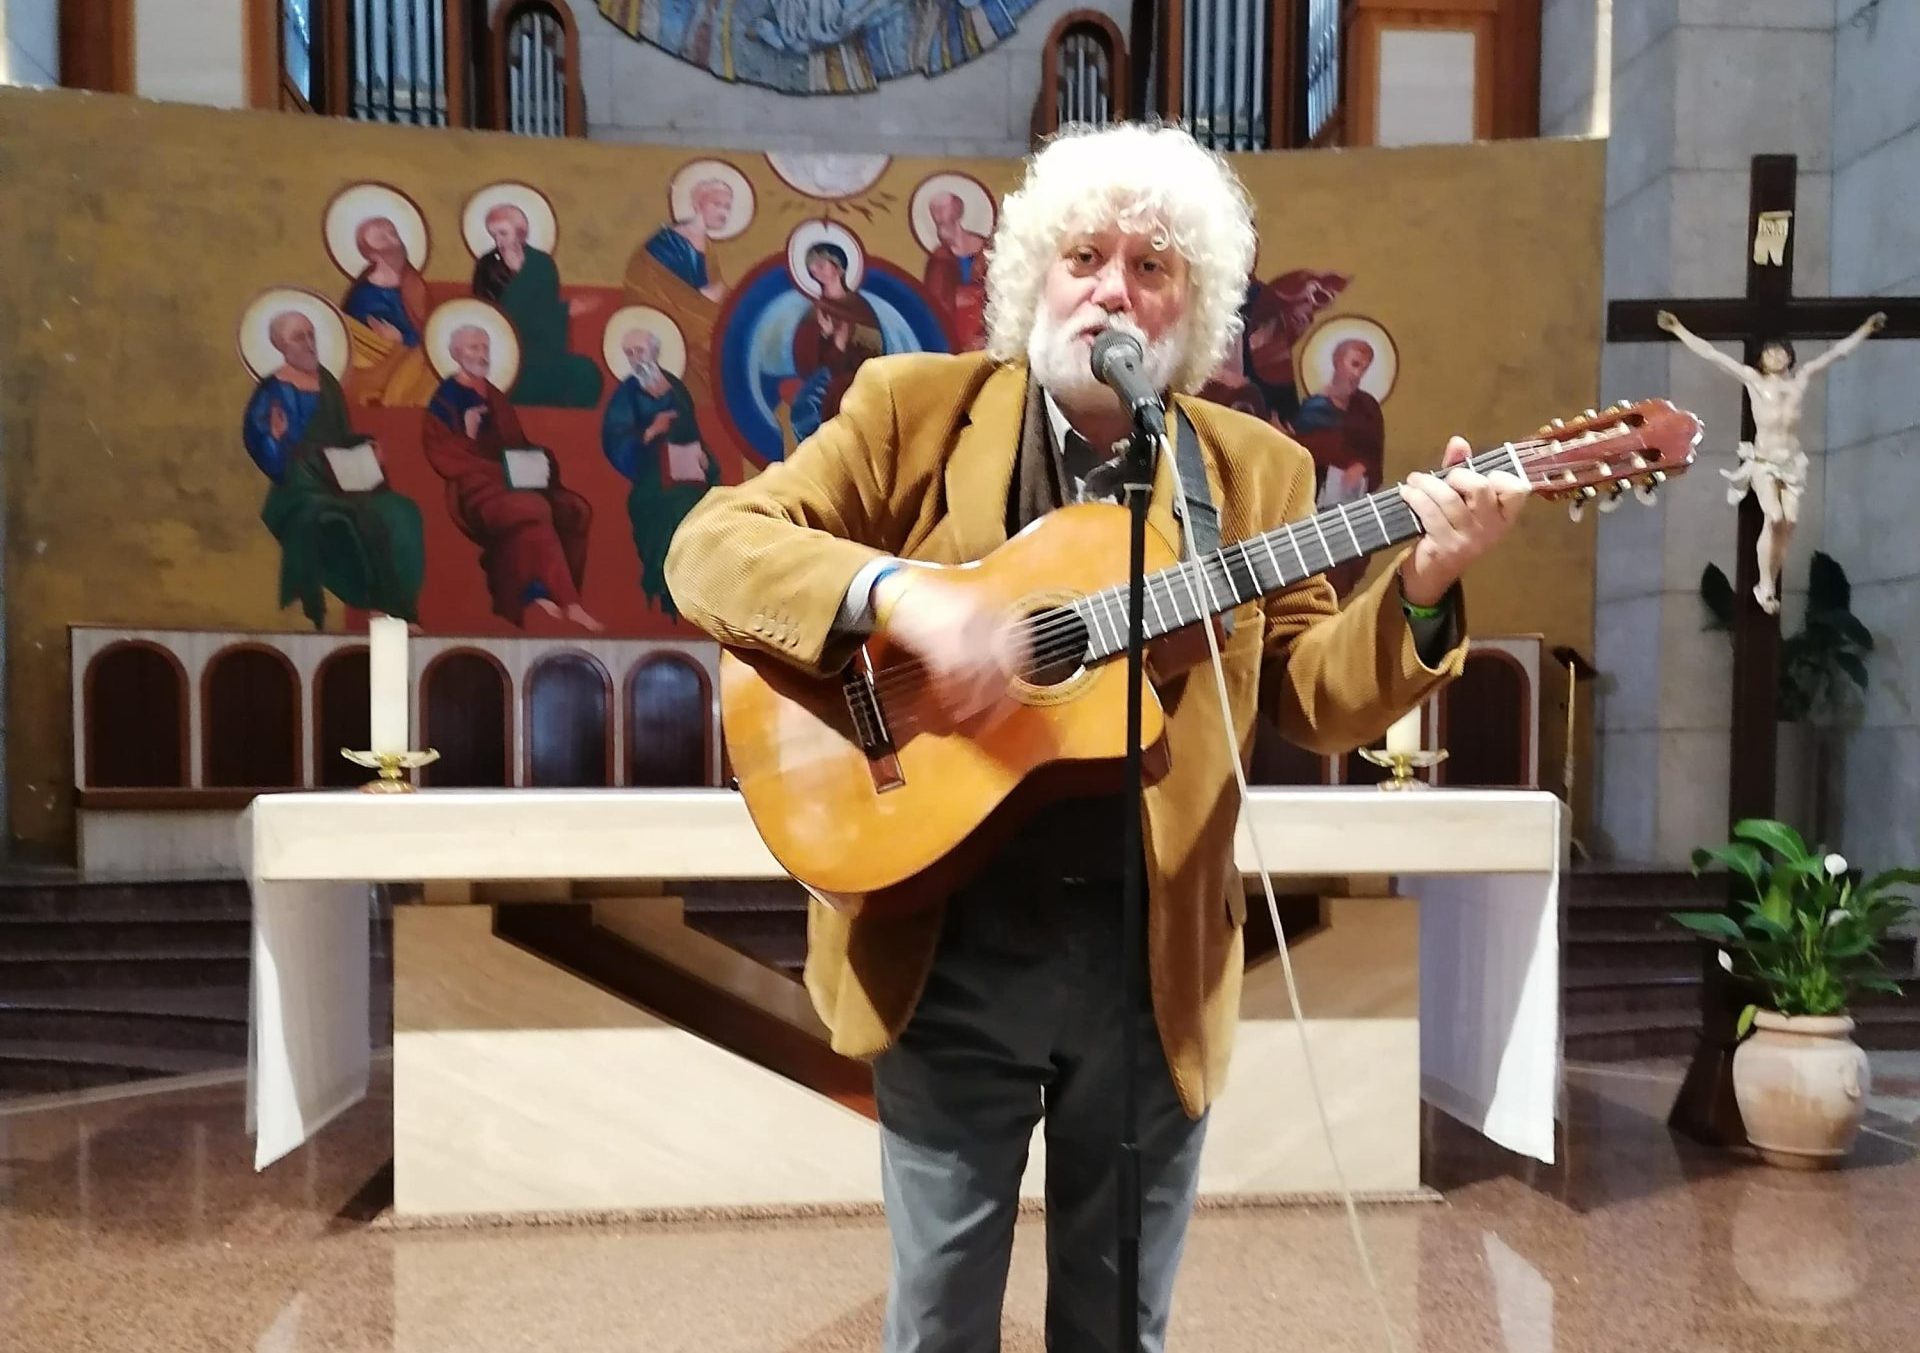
[(1726, 959), (1836, 865), (1835, 917)]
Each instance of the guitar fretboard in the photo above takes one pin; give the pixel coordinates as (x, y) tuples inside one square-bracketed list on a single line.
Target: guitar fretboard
[(1261, 565)]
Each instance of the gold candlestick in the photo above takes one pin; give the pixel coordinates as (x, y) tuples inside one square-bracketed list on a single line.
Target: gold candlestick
[(1403, 764), (390, 765)]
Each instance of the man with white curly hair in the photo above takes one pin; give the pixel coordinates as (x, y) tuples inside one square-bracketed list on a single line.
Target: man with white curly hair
[(1003, 1008)]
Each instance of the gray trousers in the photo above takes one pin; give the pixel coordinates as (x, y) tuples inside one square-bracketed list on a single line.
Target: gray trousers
[(1021, 1020)]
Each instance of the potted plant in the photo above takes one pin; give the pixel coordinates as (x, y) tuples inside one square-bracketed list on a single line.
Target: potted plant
[(1807, 934), (1822, 676)]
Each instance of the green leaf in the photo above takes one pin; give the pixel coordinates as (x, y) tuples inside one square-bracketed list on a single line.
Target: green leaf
[(1768, 926), (1745, 1025), (1880, 984), (1768, 832), (1741, 858), (1713, 924)]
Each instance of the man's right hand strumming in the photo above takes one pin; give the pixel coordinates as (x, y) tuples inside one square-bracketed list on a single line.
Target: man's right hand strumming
[(970, 649)]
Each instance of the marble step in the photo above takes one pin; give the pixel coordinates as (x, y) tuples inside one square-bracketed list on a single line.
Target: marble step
[(103, 1063), (93, 900), (54, 941), (224, 1032)]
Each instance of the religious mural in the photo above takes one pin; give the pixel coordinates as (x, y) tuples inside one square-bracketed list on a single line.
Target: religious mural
[(510, 449), (819, 46), (1319, 380)]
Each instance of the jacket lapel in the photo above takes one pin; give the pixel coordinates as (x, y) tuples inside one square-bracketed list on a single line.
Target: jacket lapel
[(979, 471), (979, 475)]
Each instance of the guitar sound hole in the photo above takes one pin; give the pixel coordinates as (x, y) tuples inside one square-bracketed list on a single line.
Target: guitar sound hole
[(1058, 643)]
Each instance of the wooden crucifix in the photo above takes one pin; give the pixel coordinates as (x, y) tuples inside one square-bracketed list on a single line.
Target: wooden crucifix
[(1768, 314)]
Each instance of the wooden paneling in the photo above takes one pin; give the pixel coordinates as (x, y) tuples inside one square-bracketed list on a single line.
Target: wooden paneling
[(96, 45), (466, 717), (1506, 61), (569, 721), (135, 705), (250, 709), (1486, 723), (342, 717), (260, 20), (668, 724), (495, 112)]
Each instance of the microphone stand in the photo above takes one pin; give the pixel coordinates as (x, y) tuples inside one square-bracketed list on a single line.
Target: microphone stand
[(1141, 448)]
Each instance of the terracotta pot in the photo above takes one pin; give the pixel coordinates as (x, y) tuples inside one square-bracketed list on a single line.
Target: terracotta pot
[(1802, 1083)]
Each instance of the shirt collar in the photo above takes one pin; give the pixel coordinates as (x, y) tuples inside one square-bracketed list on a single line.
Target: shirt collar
[(1059, 427)]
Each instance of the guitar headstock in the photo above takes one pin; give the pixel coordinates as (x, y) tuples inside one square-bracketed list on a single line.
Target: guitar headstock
[(1600, 455)]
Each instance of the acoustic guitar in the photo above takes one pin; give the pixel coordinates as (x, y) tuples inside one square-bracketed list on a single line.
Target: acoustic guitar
[(874, 802)]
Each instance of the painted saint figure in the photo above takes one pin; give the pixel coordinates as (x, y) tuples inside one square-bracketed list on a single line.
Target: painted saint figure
[(524, 282), (956, 273), (840, 333), (386, 308), (533, 540), (363, 546), (1772, 465), (682, 247), (651, 436)]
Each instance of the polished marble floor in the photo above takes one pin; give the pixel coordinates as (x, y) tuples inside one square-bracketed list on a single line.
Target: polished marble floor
[(138, 1224)]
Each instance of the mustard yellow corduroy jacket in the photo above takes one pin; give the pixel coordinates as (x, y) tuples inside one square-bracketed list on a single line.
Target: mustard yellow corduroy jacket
[(919, 463)]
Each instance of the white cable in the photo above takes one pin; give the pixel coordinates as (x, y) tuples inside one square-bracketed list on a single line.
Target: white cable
[(1273, 911)]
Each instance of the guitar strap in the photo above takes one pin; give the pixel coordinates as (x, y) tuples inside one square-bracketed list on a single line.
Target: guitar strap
[(1199, 518)]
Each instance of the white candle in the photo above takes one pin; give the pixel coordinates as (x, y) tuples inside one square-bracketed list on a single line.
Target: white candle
[(1404, 735), (387, 678)]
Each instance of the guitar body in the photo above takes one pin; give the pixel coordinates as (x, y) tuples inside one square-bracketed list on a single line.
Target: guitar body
[(899, 830), (875, 803)]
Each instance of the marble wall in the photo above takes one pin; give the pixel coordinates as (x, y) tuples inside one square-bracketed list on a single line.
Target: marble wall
[(1698, 87), (1873, 417)]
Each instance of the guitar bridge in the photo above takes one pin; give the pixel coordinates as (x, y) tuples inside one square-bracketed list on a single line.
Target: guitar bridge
[(870, 725)]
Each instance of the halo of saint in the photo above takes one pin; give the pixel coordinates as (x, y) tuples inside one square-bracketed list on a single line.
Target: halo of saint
[(697, 177), (503, 344), (977, 211), (673, 344), (809, 235), (255, 335), (377, 236), (543, 229), (1324, 342)]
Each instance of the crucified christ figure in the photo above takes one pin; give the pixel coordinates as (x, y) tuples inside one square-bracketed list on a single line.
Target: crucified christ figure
[(1772, 464)]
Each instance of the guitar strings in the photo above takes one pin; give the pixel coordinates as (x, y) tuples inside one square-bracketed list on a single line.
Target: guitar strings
[(1059, 634)]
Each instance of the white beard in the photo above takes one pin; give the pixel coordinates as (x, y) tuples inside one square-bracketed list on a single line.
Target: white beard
[(1063, 369)]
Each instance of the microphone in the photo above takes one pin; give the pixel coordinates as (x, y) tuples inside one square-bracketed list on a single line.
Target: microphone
[(1117, 361)]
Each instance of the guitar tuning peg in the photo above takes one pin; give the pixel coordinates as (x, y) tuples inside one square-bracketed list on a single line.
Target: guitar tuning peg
[(1659, 476), (1612, 500), (1590, 413), (1577, 509), (1644, 492), (1558, 423), (1588, 493)]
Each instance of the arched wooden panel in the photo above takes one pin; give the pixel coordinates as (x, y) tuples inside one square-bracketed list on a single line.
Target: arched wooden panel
[(569, 723), (1486, 721), (534, 70), (134, 709), (1277, 761), (250, 711), (1083, 73), (466, 716), (342, 718), (669, 723)]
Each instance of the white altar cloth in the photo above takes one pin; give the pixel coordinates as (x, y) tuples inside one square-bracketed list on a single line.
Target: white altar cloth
[(1483, 864)]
